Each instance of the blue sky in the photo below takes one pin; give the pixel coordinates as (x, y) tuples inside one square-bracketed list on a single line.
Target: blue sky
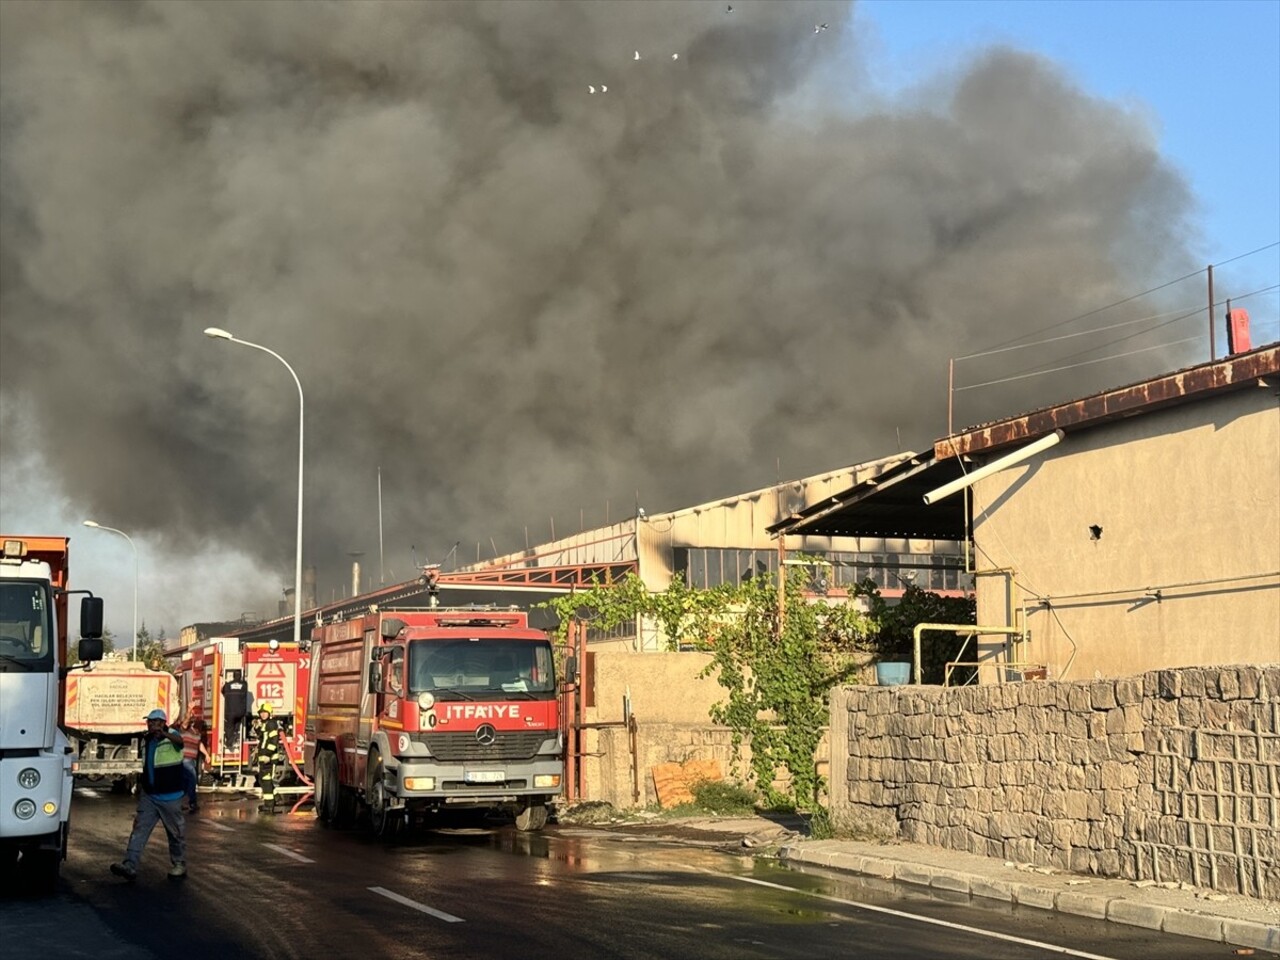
[(1206, 75)]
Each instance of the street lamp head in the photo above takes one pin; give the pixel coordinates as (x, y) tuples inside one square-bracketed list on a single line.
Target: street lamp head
[(217, 333), (91, 523)]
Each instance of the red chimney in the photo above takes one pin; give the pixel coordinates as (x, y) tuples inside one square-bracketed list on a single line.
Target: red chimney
[(1238, 331)]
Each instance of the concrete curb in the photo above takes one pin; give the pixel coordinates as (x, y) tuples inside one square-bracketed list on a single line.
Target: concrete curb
[(1112, 901)]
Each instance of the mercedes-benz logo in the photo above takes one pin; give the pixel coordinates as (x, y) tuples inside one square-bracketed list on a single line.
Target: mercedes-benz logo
[(486, 735)]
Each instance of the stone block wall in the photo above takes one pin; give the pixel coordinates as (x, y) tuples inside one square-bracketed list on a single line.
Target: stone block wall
[(1169, 775)]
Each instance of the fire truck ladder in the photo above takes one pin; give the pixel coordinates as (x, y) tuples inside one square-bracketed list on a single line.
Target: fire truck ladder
[(418, 592)]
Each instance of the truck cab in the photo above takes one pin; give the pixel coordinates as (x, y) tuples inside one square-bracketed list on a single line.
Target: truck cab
[(417, 712), (36, 759)]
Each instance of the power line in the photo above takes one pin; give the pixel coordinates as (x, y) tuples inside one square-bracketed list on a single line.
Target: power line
[(1095, 312), (1085, 316), (1036, 371), (1072, 366), (1183, 316), (1249, 254), (1068, 336)]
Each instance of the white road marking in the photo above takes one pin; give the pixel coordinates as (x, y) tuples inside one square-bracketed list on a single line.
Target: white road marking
[(288, 853), (218, 826), (446, 917), (1051, 947)]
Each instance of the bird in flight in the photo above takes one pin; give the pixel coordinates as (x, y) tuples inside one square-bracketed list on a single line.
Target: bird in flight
[(819, 27)]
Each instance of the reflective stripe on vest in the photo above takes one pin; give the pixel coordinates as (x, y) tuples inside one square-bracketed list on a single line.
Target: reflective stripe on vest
[(167, 755)]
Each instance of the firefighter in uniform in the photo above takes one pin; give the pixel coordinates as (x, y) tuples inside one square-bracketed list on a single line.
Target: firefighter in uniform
[(268, 756)]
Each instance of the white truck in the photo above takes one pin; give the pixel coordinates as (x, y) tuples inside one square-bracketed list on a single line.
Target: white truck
[(37, 760), (105, 705)]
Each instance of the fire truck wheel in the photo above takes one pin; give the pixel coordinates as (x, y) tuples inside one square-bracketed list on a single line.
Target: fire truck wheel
[(380, 818), (532, 817), (346, 807), (326, 786)]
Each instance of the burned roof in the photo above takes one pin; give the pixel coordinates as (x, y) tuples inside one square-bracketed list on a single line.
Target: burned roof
[(890, 504)]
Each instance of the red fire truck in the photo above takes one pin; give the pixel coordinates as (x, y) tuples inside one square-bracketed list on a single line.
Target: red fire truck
[(274, 673), (416, 712)]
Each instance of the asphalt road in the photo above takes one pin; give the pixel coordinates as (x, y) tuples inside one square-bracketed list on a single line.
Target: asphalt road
[(277, 887)]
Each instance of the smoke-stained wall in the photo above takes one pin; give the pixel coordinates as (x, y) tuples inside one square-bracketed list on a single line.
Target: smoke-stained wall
[(520, 298)]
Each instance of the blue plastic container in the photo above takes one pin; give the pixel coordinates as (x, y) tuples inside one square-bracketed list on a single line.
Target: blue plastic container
[(893, 674)]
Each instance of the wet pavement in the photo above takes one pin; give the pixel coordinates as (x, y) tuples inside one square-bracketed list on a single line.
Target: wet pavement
[(1251, 926)]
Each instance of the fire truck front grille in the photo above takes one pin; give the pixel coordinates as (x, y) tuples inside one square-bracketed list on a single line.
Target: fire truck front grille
[(507, 745)]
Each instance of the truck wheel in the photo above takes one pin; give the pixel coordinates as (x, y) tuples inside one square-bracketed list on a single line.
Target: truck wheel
[(325, 786), (41, 870), (380, 817), (531, 817), (345, 807)]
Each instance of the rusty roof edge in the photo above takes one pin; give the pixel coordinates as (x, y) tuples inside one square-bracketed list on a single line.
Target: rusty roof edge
[(1181, 386)]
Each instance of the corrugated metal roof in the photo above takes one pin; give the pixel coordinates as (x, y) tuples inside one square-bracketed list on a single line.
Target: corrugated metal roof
[(890, 504)]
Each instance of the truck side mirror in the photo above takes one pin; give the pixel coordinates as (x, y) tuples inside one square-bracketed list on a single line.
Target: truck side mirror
[(91, 619), (375, 676), (90, 648), (570, 669)]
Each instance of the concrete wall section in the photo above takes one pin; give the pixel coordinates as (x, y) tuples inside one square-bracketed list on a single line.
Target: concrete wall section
[(665, 687), (1169, 775), (672, 706)]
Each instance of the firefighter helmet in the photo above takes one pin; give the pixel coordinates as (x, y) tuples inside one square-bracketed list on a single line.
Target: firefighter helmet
[(265, 708)]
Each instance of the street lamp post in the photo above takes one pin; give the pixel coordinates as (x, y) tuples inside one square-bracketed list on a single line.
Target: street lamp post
[(219, 334), (97, 526)]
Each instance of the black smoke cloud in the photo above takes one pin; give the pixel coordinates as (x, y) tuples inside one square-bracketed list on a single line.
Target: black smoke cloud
[(522, 300)]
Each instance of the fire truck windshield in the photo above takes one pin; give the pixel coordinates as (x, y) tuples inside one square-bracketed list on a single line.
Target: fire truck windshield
[(466, 667), (26, 632)]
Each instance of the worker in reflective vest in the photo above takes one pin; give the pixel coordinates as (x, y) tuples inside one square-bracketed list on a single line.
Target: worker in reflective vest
[(268, 756), (160, 792)]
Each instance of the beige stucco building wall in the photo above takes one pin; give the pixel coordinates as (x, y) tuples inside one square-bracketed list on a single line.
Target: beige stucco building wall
[(1188, 502)]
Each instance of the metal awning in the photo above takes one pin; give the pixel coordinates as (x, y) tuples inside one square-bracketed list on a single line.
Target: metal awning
[(890, 504)]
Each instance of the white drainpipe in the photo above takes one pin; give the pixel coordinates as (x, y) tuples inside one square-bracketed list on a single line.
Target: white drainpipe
[(995, 466)]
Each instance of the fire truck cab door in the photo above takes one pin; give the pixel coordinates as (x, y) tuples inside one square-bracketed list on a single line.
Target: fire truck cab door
[(393, 690)]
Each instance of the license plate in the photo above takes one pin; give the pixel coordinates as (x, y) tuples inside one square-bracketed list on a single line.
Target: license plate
[(484, 776)]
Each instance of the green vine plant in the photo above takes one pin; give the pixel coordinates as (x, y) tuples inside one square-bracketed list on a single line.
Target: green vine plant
[(893, 638), (778, 672)]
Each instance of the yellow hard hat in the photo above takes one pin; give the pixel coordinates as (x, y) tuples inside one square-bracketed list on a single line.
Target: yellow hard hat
[(265, 706)]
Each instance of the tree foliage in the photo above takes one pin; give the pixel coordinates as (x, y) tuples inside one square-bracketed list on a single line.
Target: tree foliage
[(150, 650), (777, 681), (893, 636)]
